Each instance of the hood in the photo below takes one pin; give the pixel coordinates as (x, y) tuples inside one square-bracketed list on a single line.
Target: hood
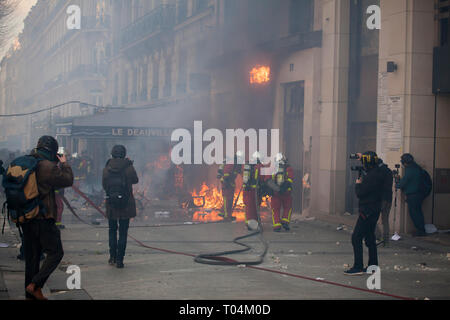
[(117, 164)]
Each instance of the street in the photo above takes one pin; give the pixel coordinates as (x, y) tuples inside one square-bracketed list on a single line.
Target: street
[(312, 250)]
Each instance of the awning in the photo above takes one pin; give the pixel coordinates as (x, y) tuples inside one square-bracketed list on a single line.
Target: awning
[(158, 122)]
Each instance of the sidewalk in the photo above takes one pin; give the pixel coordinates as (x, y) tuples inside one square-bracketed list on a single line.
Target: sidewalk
[(12, 274)]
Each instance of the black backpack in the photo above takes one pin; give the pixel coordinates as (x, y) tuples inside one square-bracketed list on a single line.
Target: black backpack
[(426, 184), (117, 191)]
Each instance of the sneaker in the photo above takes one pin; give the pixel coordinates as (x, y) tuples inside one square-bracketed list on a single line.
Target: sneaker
[(354, 272), (120, 264), (285, 226), (112, 261)]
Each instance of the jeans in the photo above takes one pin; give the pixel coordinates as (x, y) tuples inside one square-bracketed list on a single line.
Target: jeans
[(117, 247), (41, 235), (414, 202), (365, 229)]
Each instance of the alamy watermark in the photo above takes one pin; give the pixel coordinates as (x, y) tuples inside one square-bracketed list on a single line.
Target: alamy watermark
[(186, 152), (374, 281), (74, 280), (73, 21)]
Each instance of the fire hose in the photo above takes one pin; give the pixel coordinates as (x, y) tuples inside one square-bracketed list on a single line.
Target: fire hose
[(227, 261), (217, 258)]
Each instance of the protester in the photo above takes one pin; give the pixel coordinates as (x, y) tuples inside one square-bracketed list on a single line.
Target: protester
[(41, 234), (118, 177), (410, 185)]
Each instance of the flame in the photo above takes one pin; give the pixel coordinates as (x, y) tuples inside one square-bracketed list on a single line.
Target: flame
[(210, 203), (16, 44), (260, 74), (162, 162), (179, 178)]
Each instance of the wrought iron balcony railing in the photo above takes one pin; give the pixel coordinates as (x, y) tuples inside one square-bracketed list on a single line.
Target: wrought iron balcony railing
[(160, 19)]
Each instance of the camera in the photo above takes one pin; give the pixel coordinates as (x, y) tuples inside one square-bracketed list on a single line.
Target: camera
[(354, 156), (360, 170)]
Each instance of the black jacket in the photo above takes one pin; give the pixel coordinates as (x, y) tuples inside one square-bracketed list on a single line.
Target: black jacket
[(370, 191), (119, 164), (387, 181)]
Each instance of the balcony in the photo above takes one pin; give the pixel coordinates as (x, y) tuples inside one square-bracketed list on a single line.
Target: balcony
[(158, 20), (89, 70)]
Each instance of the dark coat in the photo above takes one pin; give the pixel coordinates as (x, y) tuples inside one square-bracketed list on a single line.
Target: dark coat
[(116, 165), (370, 191), (51, 176)]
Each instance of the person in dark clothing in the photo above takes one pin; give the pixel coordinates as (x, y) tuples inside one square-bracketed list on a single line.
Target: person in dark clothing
[(369, 192), (41, 234), (120, 206), (386, 202), (410, 185)]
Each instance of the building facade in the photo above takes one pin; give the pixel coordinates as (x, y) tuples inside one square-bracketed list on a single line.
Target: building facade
[(334, 76)]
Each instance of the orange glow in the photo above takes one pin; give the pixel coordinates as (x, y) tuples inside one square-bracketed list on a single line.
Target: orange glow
[(213, 204), (260, 74)]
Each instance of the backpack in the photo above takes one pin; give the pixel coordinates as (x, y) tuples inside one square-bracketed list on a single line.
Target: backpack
[(426, 184), (117, 193), (21, 189)]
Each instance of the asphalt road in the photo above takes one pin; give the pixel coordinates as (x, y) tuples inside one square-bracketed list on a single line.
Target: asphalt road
[(305, 263)]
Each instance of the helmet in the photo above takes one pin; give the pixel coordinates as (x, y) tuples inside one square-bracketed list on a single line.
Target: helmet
[(239, 157), (279, 157), (369, 159), (407, 159), (49, 144), (118, 151), (256, 155)]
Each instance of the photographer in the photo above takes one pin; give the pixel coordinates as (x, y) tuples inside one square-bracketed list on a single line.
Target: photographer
[(369, 186), (410, 184)]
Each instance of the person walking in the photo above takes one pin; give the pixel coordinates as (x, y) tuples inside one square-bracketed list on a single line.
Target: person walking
[(118, 178), (40, 233)]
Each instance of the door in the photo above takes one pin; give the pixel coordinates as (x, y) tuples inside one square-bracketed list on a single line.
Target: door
[(294, 99)]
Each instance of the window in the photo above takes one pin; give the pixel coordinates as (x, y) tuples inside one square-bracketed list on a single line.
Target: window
[(199, 6), (444, 22), (182, 72), (125, 88), (143, 92), (294, 99), (301, 13), (181, 10), (155, 80), (168, 78)]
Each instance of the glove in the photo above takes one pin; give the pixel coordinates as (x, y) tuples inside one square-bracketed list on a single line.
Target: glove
[(285, 186)]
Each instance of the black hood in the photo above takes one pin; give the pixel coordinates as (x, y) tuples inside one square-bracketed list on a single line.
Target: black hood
[(117, 164)]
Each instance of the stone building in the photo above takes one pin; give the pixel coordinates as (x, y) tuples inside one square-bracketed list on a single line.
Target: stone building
[(334, 76)]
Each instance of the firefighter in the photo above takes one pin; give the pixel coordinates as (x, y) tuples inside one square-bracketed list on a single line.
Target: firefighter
[(251, 179), (227, 174), (282, 197)]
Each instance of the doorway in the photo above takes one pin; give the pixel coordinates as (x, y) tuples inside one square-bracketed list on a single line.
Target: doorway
[(294, 100)]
